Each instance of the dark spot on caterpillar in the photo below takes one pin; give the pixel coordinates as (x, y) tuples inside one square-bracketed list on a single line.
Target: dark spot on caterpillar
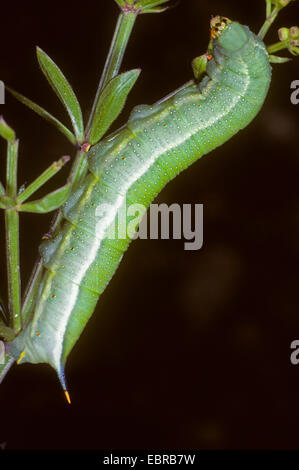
[(92, 203), (123, 158), (53, 296), (164, 124), (72, 249), (199, 104)]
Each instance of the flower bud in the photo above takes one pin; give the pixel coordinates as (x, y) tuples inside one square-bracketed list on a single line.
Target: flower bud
[(294, 32), (283, 34)]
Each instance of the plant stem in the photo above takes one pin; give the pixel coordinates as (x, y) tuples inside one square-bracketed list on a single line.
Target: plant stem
[(11, 168), (268, 8), (269, 20), (12, 239), (2, 190), (13, 267), (114, 59)]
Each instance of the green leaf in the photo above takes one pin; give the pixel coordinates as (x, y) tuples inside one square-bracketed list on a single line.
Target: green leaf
[(5, 131), (63, 90), (155, 10), (152, 6), (42, 179), (142, 6), (150, 3), (124, 3), (111, 102), (48, 203), (275, 59), (44, 114)]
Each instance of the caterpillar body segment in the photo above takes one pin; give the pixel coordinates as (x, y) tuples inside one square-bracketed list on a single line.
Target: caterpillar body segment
[(132, 166)]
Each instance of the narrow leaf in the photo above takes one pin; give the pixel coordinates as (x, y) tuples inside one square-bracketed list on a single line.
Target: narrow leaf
[(124, 3), (150, 3), (63, 90), (275, 59), (155, 10), (48, 203), (111, 103), (42, 179), (44, 114), (5, 131)]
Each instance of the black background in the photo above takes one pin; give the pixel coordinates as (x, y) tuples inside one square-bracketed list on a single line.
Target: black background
[(187, 349)]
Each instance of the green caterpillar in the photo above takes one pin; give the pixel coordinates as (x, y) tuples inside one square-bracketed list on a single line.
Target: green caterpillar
[(132, 166)]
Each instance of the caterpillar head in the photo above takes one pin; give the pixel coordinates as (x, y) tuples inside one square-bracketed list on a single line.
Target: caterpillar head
[(218, 24), (229, 34)]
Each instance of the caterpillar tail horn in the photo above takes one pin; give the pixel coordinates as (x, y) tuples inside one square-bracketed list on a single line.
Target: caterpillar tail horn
[(62, 381)]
